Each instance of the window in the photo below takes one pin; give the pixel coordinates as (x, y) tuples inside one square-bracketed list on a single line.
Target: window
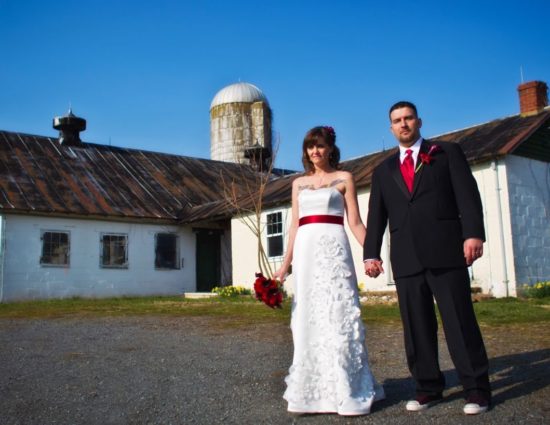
[(114, 250), (166, 251), (275, 234), (55, 248)]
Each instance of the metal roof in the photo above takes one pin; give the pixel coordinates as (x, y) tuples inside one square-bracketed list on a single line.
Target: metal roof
[(479, 143), (499, 137), (39, 175), (238, 92)]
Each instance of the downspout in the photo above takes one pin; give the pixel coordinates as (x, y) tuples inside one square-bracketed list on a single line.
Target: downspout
[(494, 167)]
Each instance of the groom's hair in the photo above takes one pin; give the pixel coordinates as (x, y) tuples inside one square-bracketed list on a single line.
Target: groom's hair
[(403, 104)]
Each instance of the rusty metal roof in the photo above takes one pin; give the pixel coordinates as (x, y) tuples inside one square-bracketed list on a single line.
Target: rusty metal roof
[(496, 138), (480, 143), (39, 175)]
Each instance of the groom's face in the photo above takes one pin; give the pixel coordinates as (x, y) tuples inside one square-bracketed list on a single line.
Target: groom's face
[(405, 126)]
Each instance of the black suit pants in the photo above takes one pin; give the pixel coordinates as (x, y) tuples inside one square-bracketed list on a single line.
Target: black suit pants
[(451, 290)]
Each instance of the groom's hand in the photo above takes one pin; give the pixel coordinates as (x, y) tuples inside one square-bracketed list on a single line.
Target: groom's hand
[(373, 268), (473, 249)]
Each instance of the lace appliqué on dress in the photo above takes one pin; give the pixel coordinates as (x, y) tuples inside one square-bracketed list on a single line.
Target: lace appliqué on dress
[(334, 364)]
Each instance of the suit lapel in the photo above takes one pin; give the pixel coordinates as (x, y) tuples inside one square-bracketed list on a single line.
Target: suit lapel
[(424, 148), (395, 171)]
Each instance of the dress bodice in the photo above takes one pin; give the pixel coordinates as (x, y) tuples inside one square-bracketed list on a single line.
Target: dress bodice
[(323, 201)]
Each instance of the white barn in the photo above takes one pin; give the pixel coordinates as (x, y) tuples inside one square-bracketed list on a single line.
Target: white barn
[(82, 219), (510, 160)]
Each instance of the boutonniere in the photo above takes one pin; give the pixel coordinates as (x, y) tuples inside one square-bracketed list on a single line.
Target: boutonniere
[(426, 158)]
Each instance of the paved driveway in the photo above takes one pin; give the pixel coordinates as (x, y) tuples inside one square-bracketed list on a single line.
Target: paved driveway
[(159, 370)]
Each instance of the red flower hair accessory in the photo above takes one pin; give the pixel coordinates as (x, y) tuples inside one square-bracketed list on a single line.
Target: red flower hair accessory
[(269, 291), (427, 158), (330, 130)]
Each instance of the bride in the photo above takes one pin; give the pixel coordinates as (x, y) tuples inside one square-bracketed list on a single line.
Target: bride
[(330, 372)]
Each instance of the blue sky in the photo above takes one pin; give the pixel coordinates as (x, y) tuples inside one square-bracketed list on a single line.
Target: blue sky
[(143, 73)]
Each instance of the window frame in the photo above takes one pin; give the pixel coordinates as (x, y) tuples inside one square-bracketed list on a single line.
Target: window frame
[(177, 265), (277, 234), (67, 254), (125, 265)]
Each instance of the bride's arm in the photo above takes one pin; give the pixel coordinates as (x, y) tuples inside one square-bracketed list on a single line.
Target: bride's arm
[(352, 210), (287, 261)]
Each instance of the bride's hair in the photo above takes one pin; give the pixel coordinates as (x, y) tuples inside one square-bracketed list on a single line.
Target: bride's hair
[(312, 137)]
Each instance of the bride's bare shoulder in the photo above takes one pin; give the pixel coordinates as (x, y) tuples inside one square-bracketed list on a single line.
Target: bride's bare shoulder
[(344, 175)]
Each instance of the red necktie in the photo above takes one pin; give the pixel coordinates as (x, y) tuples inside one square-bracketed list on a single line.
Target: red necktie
[(407, 169)]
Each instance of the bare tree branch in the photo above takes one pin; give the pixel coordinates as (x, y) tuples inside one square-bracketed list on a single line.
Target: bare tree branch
[(246, 200)]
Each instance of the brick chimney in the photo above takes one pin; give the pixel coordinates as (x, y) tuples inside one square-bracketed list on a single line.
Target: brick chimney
[(533, 97)]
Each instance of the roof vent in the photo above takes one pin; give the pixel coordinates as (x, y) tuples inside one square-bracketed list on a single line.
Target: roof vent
[(259, 157), (69, 127), (533, 97)]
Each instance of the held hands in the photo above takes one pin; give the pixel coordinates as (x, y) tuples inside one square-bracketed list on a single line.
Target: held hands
[(473, 249), (373, 268)]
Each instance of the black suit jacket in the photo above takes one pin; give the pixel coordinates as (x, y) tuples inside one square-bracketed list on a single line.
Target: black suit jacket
[(429, 225)]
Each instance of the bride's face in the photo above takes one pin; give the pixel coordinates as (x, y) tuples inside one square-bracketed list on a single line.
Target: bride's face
[(319, 153)]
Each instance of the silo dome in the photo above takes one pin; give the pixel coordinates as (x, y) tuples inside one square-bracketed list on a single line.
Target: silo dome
[(238, 93), (240, 124)]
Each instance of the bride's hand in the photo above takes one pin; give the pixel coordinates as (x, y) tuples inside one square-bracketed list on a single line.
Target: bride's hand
[(280, 275)]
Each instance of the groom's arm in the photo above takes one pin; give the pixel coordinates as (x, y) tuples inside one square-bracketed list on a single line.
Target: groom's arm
[(468, 202), (466, 194), (377, 219)]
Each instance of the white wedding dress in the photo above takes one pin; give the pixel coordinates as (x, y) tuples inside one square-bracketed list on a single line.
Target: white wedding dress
[(330, 370)]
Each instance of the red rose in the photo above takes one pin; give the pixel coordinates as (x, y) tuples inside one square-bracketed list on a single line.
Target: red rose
[(425, 158)]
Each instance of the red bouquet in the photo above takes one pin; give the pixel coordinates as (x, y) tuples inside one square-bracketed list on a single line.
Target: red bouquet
[(268, 290)]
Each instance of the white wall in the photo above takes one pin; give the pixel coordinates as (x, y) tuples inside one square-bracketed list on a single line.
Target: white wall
[(245, 249), (385, 281), (529, 188), (494, 273), (25, 278)]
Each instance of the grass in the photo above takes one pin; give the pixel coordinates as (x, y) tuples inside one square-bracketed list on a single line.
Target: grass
[(506, 311), (243, 307), (246, 310)]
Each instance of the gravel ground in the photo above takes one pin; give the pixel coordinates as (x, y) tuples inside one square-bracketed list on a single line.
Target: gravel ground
[(159, 370)]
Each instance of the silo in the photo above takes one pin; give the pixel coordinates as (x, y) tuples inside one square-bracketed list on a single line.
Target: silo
[(240, 119)]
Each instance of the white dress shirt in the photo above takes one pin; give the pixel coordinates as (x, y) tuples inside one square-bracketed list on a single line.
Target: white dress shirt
[(415, 151)]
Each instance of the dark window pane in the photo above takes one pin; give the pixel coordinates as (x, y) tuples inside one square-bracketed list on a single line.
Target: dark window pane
[(114, 251), (275, 246), (55, 248), (274, 223), (166, 251)]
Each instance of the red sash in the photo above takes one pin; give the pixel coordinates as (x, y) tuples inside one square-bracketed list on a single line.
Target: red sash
[(332, 219)]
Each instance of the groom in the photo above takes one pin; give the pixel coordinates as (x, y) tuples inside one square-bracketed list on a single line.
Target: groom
[(428, 195)]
